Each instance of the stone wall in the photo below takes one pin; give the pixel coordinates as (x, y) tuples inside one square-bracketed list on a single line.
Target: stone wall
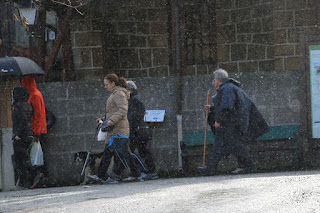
[(78, 104)]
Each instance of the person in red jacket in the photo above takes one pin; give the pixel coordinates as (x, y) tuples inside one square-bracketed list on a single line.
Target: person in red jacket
[(38, 120)]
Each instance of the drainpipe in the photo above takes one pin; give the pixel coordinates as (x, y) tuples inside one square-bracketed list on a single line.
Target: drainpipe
[(176, 46)]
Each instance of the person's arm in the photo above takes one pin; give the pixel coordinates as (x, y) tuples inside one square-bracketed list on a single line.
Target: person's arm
[(36, 104)]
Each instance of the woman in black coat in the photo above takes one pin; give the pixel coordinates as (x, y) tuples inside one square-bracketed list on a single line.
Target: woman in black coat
[(22, 133)]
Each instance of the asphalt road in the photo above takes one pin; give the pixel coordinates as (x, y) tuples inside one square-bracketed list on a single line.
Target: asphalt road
[(265, 192)]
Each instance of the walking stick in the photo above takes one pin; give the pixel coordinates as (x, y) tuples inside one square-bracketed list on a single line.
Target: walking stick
[(205, 132), (94, 141)]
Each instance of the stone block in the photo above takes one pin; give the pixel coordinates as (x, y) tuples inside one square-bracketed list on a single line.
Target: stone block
[(88, 39), (138, 14), (83, 124), (266, 66), (190, 70), (202, 70), (244, 38), (239, 15), (280, 36), (238, 52), (159, 14), (82, 24), (262, 38), (82, 57), (129, 58), (311, 31), (229, 67), (86, 89), (223, 52), (145, 57), (256, 52), (224, 4), (292, 63), (138, 73), (226, 34), (250, 66), (158, 71), (158, 41), (244, 3), (110, 28), (57, 87), (222, 17), (160, 56), (116, 41), (270, 52), (97, 57), (143, 28), (251, 26), (62, 124), (127, 27), (283, 19), (97, 24), (279, 64), (111, 59), (306, 17), (137, 41), (285, 115), (296, 4), (262, 10), (267, 24), (160, 3), (159, 28), (284, 50), (117, 14), (279, 5)]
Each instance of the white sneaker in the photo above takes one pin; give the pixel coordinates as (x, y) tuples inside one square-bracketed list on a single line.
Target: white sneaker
[(151, 176), (110, 180), (94, 179), (237, 170)]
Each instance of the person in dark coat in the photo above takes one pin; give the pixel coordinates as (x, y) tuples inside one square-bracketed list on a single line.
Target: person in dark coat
[(237, 121), (136, 111), (22, 135)]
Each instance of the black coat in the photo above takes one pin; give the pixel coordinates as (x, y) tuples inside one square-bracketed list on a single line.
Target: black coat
[(136, 111), (232, 102), (21, 113)]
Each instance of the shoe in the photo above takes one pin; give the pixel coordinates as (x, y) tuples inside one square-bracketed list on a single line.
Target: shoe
[(236, 171), (94, 179), (247, 171), (36, 181), (113, 175), (206, 171), (110, 180), (151, 176), (130, 179), (18, 188)]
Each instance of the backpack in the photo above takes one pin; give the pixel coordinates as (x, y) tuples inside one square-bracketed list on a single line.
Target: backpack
[(51, 119)]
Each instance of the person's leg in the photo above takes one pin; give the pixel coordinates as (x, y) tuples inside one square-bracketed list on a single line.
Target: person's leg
[(133, 144), (241, 151), (105, 162), (121, 154), (144, 149), (21, 160)]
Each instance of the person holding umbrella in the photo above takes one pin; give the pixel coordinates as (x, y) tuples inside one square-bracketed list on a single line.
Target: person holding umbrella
[(38, 121)]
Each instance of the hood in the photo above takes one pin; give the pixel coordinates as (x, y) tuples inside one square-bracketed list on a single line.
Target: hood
[(134, 93), (19, 95), (232, 81), (117, 88), (29, 83)]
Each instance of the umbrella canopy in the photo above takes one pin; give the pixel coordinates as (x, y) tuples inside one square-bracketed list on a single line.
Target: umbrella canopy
[(15, 67)]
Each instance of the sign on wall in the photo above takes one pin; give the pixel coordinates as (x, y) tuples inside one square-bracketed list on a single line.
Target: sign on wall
[(154, 116), (314, 53)]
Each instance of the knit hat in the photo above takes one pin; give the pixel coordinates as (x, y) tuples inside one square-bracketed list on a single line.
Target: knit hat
[(131, 85)]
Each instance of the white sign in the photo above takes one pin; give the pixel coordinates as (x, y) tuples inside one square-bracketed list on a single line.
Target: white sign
[(154, 116), (314, 53)]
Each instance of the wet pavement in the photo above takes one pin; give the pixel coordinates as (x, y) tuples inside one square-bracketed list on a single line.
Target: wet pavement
[(261, 192)]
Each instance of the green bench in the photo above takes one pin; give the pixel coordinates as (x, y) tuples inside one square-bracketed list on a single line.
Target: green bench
[(275, 133), (192, 144)]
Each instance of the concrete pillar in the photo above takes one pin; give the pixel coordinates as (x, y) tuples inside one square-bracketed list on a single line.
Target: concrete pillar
[(7, 182)]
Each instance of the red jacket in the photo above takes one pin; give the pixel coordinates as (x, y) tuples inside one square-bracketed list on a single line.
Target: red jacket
[(38, 120)]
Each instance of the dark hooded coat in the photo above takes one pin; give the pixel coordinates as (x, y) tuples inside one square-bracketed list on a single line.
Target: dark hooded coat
[(21, 113), (232, 104)]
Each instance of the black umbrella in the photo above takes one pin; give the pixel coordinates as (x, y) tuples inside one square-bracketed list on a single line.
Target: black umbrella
[(15, 67)]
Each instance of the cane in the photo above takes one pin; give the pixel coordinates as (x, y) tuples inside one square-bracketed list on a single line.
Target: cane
[(94, 141), (205, 132)]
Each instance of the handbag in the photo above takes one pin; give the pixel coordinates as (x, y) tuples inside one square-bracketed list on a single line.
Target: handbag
[(143, 133), (36, 154), (105, 127)]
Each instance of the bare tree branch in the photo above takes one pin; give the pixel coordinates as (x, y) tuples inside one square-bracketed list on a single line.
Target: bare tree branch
[(73, 4)]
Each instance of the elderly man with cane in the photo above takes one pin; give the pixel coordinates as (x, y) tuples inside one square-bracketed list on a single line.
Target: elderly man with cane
[(237, 121)]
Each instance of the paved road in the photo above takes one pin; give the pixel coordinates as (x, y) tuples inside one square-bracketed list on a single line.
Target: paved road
[(265, 192)]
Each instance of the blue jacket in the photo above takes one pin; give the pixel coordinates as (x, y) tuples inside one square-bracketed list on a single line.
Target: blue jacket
[(232, 104)]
